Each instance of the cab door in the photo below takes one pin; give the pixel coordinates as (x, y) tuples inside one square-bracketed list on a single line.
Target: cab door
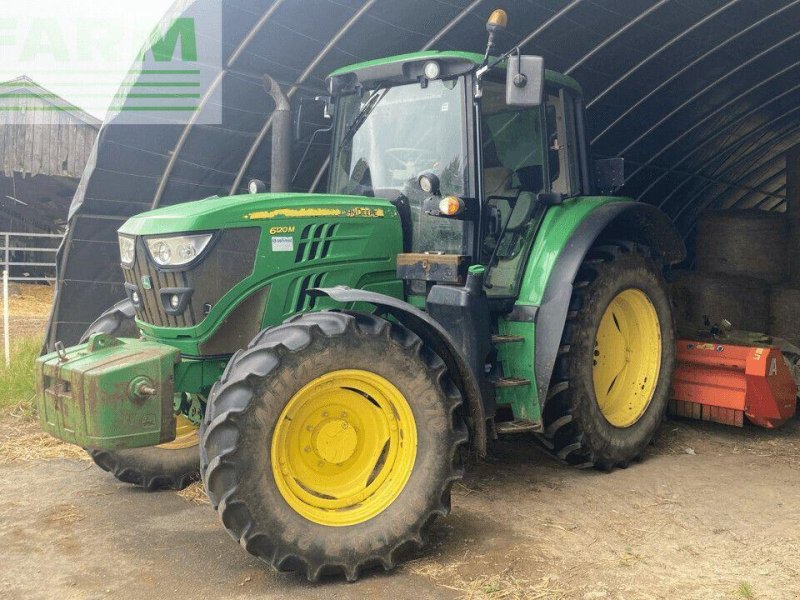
[(514, 169)]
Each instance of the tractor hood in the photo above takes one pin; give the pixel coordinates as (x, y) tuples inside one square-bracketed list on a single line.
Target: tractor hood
[(253, 209), (267, 251)]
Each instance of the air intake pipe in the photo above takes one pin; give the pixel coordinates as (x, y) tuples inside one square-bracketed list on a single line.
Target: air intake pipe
[(281, 176)]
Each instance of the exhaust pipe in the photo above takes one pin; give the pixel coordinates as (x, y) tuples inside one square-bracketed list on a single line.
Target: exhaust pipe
[(280, 170)]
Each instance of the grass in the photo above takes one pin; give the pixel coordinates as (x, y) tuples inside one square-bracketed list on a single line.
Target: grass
[(745, 590), (17, 384), (21, 438)]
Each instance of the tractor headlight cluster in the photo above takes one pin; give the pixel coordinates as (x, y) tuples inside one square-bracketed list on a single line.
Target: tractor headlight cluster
[(127, 249), (179, 250)]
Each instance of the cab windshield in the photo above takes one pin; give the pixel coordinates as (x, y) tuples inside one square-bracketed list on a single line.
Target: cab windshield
[(387, 137)]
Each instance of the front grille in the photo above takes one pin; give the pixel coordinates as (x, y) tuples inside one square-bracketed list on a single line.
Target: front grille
[(315, 241), (229, 261)]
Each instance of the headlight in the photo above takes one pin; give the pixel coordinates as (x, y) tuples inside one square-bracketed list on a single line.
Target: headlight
[(178, 250), (126, 249)]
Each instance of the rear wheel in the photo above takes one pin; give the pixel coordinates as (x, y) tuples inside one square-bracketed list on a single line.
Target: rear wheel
[(610, 387), (173, 465), (331, 443)]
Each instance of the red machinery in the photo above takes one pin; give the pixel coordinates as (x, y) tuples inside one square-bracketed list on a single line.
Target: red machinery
[(716, 381)]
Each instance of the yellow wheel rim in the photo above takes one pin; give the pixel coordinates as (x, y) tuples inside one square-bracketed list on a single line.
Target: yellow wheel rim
[(186, 435), (344, 448), (627, 358)]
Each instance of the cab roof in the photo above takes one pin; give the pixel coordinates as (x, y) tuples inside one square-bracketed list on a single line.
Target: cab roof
[(378, 68)]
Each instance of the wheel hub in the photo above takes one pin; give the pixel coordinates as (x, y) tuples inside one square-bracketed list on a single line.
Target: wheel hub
[(335, 441)]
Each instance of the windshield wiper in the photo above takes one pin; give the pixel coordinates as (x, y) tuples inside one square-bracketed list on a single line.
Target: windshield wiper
[(358, 121)]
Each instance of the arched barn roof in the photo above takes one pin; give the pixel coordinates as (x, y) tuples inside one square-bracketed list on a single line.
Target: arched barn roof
[(701, 98)]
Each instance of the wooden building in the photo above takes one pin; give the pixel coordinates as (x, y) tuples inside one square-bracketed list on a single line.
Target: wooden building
[(45, 143)]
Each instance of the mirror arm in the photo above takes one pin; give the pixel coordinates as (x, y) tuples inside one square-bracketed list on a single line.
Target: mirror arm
[(308, 148), (298, 121), (488, 67), (520, 80)]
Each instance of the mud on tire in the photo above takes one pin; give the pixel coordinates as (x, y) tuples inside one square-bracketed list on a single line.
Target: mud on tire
[(576, 431), (242, 414)]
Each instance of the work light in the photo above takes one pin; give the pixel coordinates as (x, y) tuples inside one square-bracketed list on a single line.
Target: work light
[(429, 183), (126, 249), (432, 69), (179, 250)]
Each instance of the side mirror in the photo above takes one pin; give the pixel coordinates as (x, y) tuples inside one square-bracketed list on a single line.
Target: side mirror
[(524, 80), (609, 174)]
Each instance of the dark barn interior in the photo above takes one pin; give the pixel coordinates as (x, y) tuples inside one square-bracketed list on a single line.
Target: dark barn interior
[(700, 97)]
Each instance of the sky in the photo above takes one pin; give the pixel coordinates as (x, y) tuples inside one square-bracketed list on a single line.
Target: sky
[(78, 49)]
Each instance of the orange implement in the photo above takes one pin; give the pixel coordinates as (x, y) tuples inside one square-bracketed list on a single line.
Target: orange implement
[(724, 383)]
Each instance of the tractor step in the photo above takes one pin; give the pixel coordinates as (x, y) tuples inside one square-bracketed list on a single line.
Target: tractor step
[(507, 339), (506, 382), (512, 427)]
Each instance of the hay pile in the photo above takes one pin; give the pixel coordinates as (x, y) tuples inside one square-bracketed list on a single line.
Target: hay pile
[(29, 309), (194, 494)]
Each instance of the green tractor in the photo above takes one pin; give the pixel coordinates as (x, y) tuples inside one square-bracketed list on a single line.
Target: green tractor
[(328, 362)]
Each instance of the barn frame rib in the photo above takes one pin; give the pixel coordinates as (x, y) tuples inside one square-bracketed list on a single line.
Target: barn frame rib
[(596, 51)]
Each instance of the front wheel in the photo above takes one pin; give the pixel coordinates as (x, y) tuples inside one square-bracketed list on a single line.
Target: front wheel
[(611, 383), (331, 443), (173, 465)]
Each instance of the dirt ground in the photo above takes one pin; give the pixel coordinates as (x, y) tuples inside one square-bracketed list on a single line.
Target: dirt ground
[(711, 513)]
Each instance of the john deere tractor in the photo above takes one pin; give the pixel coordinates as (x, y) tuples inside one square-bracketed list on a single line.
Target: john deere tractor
[(327, 362)]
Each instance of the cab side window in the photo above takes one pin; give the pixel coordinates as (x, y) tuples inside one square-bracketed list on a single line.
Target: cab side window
[(512, 148)]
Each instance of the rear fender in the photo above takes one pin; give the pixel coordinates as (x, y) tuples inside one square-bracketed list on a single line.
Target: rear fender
[(437, 339), (623, 220)]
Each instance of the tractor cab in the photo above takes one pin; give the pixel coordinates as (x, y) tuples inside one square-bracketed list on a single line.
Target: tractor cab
[(470, 173)]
